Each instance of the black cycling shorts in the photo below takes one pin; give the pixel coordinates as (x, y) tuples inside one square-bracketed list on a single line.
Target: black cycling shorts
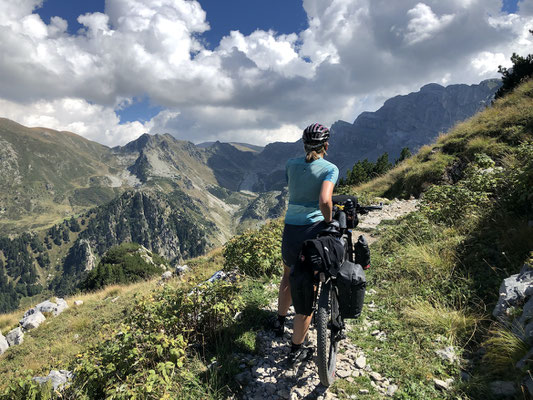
[(293, 238)]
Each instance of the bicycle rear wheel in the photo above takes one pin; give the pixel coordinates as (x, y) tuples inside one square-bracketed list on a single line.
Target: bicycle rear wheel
[(326, 335)]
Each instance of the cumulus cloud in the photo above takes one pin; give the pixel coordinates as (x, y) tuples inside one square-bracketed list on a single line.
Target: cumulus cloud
[(424, 24), (257, 88), (92, 121)]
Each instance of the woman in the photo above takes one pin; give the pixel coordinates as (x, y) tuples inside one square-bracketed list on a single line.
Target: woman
[(311, 180)]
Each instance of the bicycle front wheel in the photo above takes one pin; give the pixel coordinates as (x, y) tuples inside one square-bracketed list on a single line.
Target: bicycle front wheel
[(326, 335)]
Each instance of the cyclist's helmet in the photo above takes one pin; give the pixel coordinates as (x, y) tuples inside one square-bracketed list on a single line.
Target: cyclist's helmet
[(315, 135)]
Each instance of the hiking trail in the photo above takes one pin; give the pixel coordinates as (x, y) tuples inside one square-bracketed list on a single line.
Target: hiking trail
[(267, 375)]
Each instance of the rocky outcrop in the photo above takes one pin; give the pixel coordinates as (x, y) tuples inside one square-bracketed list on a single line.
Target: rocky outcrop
[(58, 378), (167, 275), (56, 308), (15, 336), (514, 292), (515, 311), (4, 345), (32, 319)]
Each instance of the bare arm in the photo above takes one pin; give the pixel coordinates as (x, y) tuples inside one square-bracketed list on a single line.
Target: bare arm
[(324, 201)]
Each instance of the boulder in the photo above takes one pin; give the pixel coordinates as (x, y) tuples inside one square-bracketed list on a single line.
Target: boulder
[(15, 336), (182, 269), (33, 320), (503, 388), (513, 292), (443, 385), (216, 276), (49, 306), (4, 345), (78, 302), (46, 307), (447, 354), (28, 313), (61, 305), (58, 378), (166, 275)]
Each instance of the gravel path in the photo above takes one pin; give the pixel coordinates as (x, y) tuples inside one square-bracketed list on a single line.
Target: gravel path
[(267, 375), (394, 210)]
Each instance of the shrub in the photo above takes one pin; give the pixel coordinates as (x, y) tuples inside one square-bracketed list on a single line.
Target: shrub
[(147, 357), (470, 196), (256, 253), (27, 389), (121, 264)]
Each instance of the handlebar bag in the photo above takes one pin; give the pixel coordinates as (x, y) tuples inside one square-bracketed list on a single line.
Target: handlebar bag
[(351, 212), (351, 286)]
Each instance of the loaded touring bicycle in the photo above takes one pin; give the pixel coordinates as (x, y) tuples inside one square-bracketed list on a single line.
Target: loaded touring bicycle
[(329, 280)]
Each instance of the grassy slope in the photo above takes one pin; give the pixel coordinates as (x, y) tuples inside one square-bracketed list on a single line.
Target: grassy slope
[(56, 342), (437, 281), (78, 164)]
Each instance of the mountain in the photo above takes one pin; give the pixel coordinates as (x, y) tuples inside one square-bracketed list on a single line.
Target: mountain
[(79, 198), (46, 175), (410, 121), (239, 146)]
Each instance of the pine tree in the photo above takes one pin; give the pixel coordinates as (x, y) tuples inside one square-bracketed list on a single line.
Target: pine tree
[(521, 70), (404, 154)]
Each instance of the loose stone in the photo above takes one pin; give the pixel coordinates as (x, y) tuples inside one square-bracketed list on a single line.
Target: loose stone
[(360, 362)]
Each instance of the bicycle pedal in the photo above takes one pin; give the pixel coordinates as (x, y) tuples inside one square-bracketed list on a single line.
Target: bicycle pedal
[(340, 336)]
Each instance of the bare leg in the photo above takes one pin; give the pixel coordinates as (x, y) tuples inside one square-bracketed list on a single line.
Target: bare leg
[(300, 328), (284, 296)]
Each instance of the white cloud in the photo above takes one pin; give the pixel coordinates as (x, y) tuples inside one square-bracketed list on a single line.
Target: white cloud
[(94, 122), (423, 23), (256, 88), (487, 62)]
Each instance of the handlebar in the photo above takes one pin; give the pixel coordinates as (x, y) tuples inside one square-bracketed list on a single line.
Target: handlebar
[(366, 209)]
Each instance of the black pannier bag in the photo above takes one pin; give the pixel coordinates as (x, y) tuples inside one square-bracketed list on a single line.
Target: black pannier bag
[(302, 288), (322, 254), (351, 285), (362, 252)]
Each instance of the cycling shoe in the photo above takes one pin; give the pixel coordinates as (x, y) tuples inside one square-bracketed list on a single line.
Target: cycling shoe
[(277, 327), (300, 355)]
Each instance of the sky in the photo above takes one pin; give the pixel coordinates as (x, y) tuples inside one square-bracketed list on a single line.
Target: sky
[(239, 70)]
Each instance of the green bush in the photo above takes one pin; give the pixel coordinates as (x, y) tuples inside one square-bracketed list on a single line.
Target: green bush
[(147, 357), (121, 264), (471, 196), (256, 253), (27, 389)]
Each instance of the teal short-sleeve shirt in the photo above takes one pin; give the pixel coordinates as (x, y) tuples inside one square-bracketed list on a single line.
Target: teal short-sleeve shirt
[(305, 182)]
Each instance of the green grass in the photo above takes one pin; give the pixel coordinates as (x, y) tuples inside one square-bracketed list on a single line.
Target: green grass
[(495, 131), (61, 338)]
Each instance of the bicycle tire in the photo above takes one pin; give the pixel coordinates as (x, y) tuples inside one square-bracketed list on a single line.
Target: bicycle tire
[(326, 343)]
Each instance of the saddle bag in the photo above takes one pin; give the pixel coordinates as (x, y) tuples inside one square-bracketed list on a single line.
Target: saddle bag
[(351, 286), (323, 254)]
